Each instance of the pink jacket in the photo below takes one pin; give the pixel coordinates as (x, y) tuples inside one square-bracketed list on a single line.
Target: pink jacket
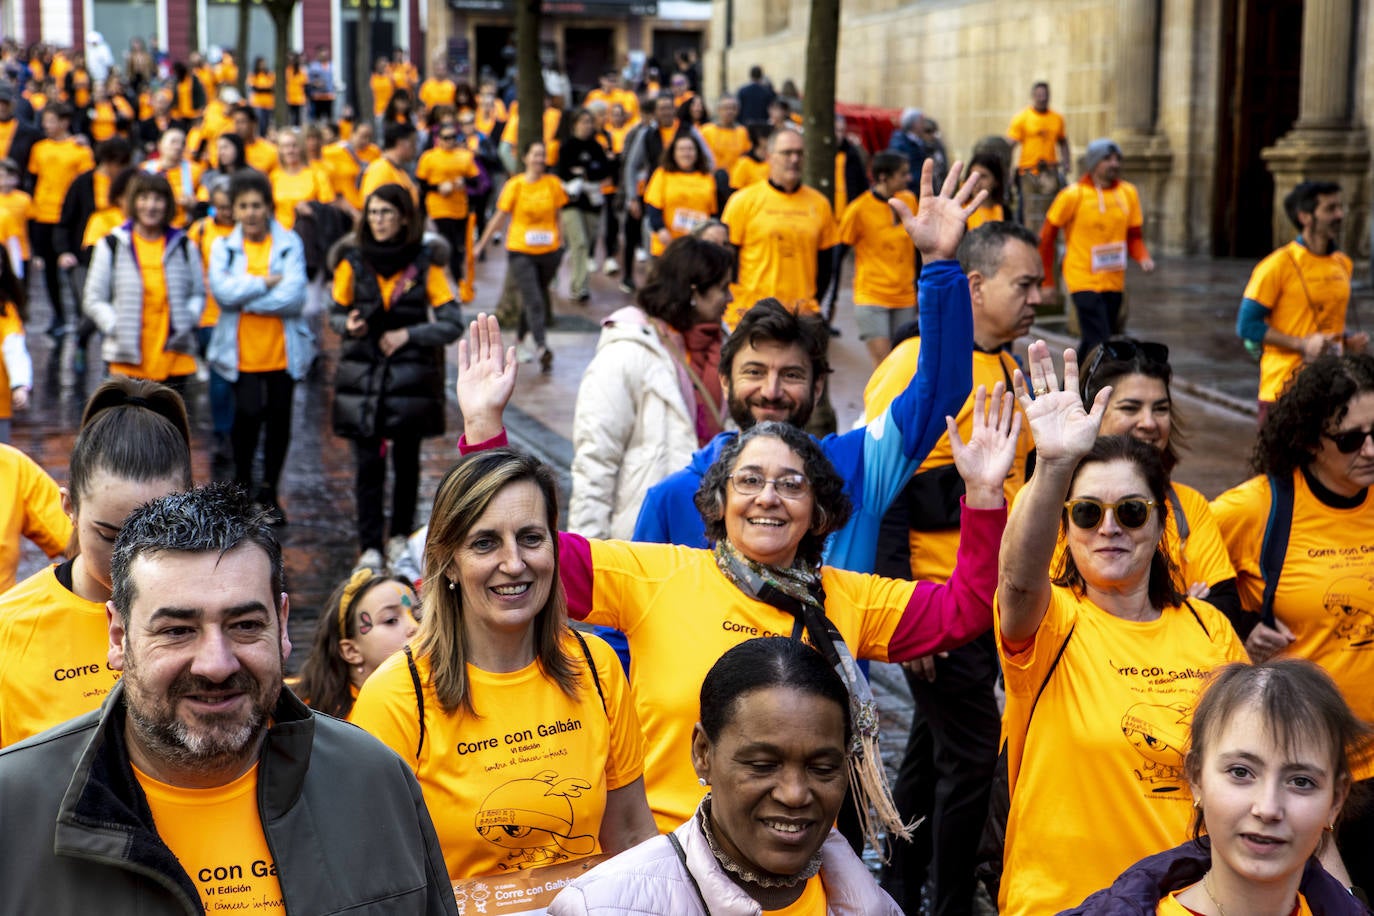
[(650, 879)]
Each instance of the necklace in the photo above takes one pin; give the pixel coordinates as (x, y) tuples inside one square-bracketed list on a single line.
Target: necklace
[(1207, 886), (744, 874)]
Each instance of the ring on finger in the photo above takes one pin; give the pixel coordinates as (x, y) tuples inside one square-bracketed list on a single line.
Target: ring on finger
[(1042, 391)]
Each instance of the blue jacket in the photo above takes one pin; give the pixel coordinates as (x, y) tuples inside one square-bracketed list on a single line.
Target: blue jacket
[(237, 291), (1139, 889), (875, 461)]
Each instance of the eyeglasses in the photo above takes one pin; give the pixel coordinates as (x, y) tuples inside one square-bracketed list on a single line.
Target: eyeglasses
[(1131, 512), (1125, 350), (1350, 441), (789, 486)]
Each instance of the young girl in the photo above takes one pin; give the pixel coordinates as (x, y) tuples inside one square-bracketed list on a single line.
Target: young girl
[(366, 620), (1269, 767), (16, 369)]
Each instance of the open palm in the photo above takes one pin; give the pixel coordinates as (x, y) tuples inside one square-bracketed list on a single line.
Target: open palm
[(941, 219), (986, 458), (1062, 429)]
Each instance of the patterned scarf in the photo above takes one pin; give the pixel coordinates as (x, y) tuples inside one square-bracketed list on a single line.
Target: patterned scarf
[(797, 590)]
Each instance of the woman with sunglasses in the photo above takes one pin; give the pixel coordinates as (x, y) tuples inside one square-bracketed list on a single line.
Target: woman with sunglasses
[(444, 171), (1102, 655), (1314, 462), (1141, 406)]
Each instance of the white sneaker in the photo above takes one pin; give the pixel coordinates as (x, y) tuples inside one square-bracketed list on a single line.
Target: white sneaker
[(610, 268), (371, 558), (592, 266), (524, 353), (641, 255)]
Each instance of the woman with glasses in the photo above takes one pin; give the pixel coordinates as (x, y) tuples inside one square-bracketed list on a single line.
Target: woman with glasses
[(1141, 406), (395, 311), (1308, 509), (1103, 655), (769, 501)]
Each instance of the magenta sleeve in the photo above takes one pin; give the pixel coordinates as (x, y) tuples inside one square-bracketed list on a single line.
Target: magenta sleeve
[(941, 617), (575, 571), (466, 448)]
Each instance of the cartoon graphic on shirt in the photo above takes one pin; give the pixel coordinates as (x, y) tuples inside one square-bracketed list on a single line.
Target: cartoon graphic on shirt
[(1351, 600), (534, 820), (1159, 734)]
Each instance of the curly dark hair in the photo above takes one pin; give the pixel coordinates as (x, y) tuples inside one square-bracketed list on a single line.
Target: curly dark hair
[(687, 266), (1315, 401), (769, 321), (830, 507)]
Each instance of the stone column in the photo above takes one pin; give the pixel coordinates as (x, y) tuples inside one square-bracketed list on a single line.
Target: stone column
[(1323, 144), (1147, 161)]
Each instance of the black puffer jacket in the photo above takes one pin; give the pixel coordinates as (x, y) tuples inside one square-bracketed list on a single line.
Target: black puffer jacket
[(400, 396)]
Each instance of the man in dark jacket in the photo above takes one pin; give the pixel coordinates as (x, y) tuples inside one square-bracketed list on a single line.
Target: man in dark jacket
[(754, 98), (107, 813)]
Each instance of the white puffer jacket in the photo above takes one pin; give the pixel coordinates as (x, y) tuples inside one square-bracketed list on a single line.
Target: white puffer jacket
[(634, 426), (650, 879)]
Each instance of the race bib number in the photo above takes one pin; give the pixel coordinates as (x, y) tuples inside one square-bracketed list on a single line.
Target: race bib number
[(684, 221), (538, 238), (1110, 258)]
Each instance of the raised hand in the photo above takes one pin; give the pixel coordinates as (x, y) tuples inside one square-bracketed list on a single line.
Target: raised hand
[(486, 378), (1062, 429), (941, 220), (985, 460)]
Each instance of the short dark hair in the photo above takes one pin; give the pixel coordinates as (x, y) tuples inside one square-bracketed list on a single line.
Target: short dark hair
[(1039, 84), (61, 110), (397, 132), (1315, 401), (687, 266), (984, 248), (756, 72), (217, 517), (115, 150), (770, 322), (248, 180), (830, 507), (887, 163), (1109, 371), (132, 428), (1303, 198), (761, 663), (1164, 577)]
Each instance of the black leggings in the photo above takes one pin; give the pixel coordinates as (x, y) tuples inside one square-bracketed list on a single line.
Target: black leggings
[(455, 232), (41, 239), (370, 487), (261, 399)]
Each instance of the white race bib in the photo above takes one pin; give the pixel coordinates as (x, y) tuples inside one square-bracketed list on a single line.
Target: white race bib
[(538, 238), (684, 221), (1109, 258)]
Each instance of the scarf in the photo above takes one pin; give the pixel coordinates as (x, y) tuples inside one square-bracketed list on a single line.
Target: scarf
[(702, 345), (389, 258), (797, 590)]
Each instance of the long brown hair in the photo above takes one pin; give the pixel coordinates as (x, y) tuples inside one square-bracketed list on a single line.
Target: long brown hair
[(463, 496)]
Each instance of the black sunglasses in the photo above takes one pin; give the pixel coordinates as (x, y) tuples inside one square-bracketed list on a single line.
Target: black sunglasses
[(1126, 350), (1350, 441), (447, 136), (1131, 512)]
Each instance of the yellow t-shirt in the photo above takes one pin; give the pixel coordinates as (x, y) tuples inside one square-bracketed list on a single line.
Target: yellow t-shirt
[(437, 289), (1110, 731), (158, 363), (437, 92), (884, 257), (1305, 293), (778, 236), (260, 90), (262, 155), (439, 165), (523, 784), (217, 836), (382, 172), (747, 171), (988, 213), (215, 122), (56, 163), (346, 172), (626, 99), (1039, 135), (11, 325), (308, 183), (262, 339), (32, 508), (16, 209), (1095, 223), (203, 233), (933, 552), (296, 79), (1326, 592), (533, 207), (100, 224), (1169, 906), (54, 643), (811, 902), (382, 90), (727, 144), (687, 200), (185, 181), (681, 615)]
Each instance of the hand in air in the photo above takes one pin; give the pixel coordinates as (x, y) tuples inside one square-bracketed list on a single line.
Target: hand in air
[(986, 458), (941, 219), (486, 374), (1062, 429)]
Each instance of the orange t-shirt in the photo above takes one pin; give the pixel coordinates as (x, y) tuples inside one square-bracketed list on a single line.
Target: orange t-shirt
[(262, 339), (296, 80), (747, 171), (439, 165), (56, 163), (309, 183), (16, 209), (203, 233), (687, 200), (727, 144), (533, 207), (158, 363), (383, 172), (260, 90), (382, 90), (437, 92)]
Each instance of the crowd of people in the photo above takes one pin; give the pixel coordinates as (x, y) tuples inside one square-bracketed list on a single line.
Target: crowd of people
[(1197, 673)]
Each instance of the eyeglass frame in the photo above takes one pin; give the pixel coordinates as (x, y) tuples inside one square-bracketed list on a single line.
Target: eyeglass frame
[(1102, 507), (805, 491)]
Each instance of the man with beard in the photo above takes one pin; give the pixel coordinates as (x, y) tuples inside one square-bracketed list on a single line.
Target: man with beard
[(773, 367), (201, 784), (1295, 303)]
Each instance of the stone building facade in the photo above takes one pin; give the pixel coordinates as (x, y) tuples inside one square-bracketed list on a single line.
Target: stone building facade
[(1217, 103)]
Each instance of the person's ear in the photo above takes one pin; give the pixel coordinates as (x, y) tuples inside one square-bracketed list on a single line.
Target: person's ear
[(348, 651), (115, 652), (281, 622), (975, 287), (701, 754)]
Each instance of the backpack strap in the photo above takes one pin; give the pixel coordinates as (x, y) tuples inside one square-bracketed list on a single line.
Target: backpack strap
[(1196, 616), (591, 667), (1045, 683), (419, 697), (1275, 544), (682, 857)]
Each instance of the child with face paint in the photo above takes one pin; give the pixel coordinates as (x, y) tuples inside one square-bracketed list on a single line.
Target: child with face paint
[(366, 619)]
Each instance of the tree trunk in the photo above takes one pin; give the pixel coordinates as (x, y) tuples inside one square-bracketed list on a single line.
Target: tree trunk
[(818, 108), (241, 47), (528, 14), (362, 64), (280, 11)]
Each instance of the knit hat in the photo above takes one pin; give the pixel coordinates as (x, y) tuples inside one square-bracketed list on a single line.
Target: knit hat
[(1098, 150)]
